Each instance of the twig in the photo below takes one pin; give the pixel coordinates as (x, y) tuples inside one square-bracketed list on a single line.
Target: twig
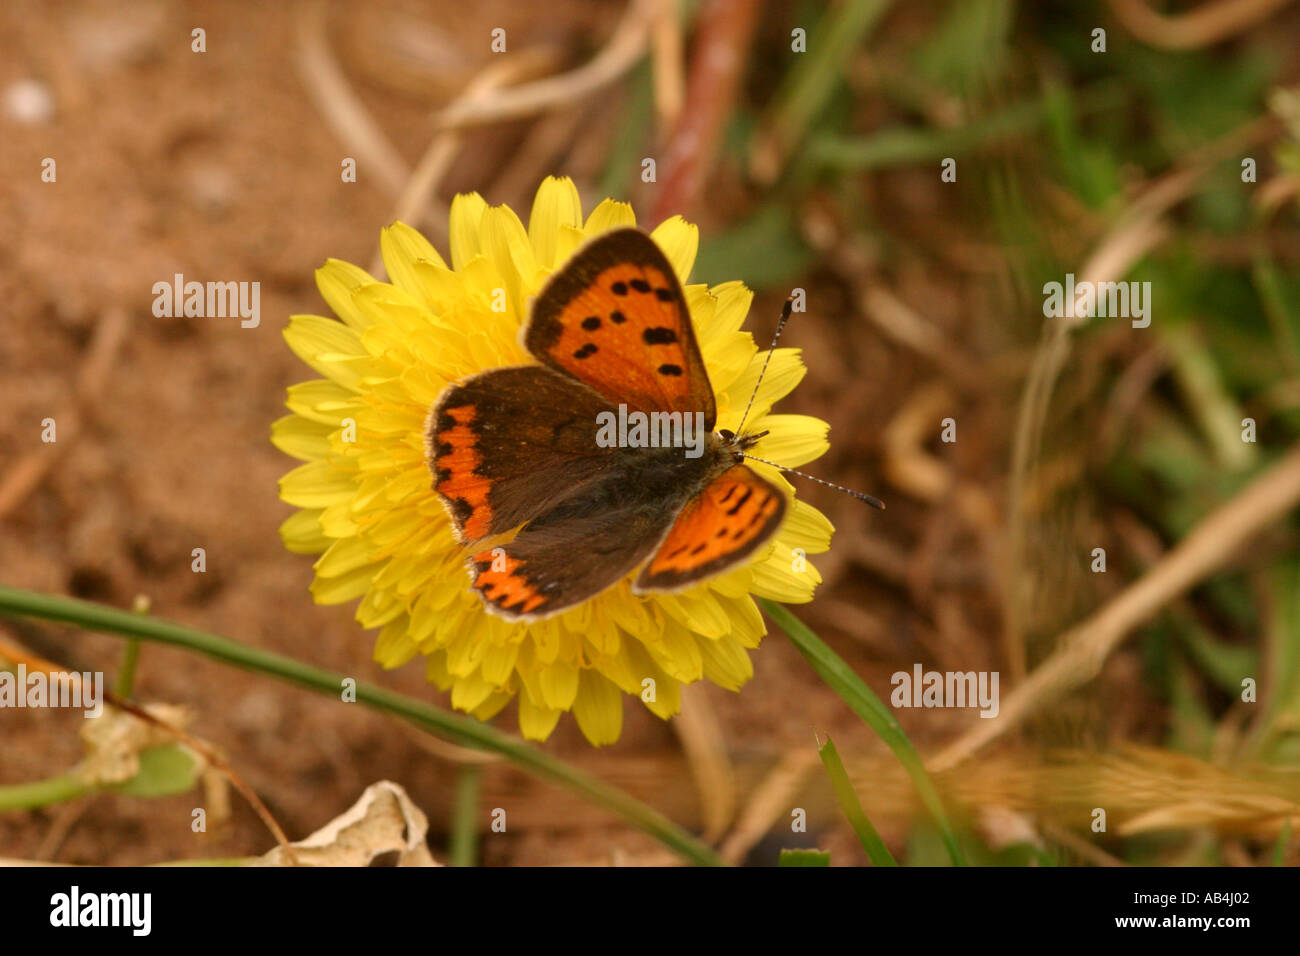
[(1209, 23), (724, 31), (1137, 231), (18, 655), (770, 800), (213, 759), (624, 48), (433, 165), (666, 51), (1084, 648), (705, 746), (27, 474), (341, 107)]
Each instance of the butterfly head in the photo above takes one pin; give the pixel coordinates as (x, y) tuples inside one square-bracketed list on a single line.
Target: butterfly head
[(738, 444)]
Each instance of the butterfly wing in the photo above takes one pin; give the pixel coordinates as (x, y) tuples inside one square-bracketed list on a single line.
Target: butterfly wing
[(505, 446), (572, 553), (615, 318), (723, 525)]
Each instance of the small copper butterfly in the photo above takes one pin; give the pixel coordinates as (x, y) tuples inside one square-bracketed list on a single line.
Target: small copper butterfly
[(519, 446)]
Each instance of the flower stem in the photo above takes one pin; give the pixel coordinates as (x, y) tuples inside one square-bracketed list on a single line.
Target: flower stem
[(462, 730), (464, 820), (854, 692), (41, 793)]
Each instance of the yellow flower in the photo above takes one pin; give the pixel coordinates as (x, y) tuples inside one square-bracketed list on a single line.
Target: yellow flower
[(369, 509)]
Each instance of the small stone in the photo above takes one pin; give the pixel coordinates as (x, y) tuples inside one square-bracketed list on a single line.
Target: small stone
[(29, 102)]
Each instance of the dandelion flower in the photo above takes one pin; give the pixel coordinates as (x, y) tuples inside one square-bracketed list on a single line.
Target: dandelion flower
[(367, 504)]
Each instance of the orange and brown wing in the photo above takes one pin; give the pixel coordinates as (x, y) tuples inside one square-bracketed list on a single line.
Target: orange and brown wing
[(615, 318), (728, 521), (507, 445), (568, 555)]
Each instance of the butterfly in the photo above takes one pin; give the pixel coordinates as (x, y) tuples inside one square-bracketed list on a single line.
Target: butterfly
[(520, 447)]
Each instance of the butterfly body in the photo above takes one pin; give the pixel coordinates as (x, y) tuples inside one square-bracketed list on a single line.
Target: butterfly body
[(524, 447)]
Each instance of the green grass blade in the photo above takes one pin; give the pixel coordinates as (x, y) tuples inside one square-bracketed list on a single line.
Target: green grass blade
[(464, 819), (852, 807), (1279, 851), (804, 858), (832, 669)]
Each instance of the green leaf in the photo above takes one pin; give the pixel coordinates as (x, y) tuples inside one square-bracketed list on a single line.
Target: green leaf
[(164, 771), (804, 858), (764, 251)]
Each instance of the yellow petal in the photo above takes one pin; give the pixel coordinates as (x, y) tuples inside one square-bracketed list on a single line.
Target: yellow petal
[(435, 670), (663, 697), (469, 692), (726, 663), (402, 247), (344, 588), (506, 245), (466, 217), (610, 214), (300, 438), (493, 705), (317, 484), (536, 722), (806, 527), (394, 646), (680, 241), (792, 440), (555, 206), (325, 345), (733, 302), (784, 372), (301, 532), (746, 622), (343, 556), (567, 243), (321, 400), (776, 578), (558, 682), (499, 662), (337, 281), (598, 709)]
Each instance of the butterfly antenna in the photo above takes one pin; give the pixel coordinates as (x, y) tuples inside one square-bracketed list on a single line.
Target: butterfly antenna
[(874, 502), (785, 317)]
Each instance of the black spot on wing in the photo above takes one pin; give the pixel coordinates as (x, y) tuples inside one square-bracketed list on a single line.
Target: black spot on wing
[(640, 285), (619, 288), (587, 350), (670, 370), (659, 335), (591, 323), (617, 317), (741, 501)]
